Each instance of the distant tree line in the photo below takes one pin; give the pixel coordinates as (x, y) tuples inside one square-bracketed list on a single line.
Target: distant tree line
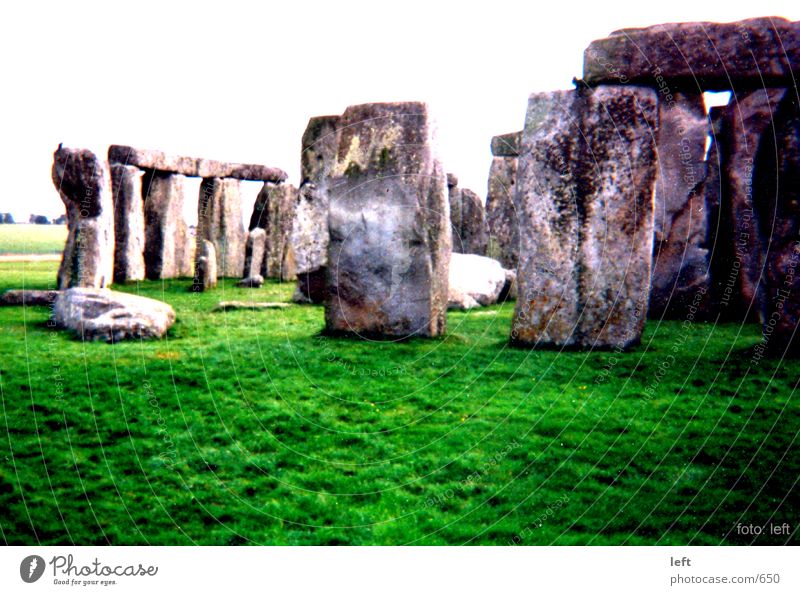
[(8, 219)]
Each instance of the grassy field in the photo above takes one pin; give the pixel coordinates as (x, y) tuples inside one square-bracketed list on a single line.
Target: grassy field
[(251, 427), (23, 238)]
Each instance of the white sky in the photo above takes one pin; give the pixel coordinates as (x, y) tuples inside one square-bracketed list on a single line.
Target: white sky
[(237, 81)]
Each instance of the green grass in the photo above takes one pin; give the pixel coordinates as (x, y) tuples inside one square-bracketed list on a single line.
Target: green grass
[(250, 427), (32, 239)]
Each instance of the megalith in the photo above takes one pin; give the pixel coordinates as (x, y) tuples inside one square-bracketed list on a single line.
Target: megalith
[(168, 248), (389, 222), (469, 231), (84, 185), (219, 220), (585, 193), (128, 223), (501, 214), (274, 211)]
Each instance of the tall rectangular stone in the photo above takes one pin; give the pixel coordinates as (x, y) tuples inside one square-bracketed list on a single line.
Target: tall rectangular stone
[(274, 212), (585, 198), (84, 185), (681, 278), (389, 224), (167, 246), (219, 220), (128, 223), (501, 215)]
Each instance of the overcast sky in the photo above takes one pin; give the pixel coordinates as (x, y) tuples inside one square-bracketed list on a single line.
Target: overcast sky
[(237, 82)]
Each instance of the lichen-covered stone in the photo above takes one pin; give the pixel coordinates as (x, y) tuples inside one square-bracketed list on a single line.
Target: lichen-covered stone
[(707, 56), (219, 220), (126, 182), (389, 224), (318, 149), (84, 185), (585, 197)]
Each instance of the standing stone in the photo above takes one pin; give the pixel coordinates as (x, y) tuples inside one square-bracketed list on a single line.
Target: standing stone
[(309, 236), (318, 149), (274, 211), (84, 185), (585, 194), (205, 271), (390, 241), (167, 246), (777, 203), (219, 220), (467, 219), (501, 215), (128, 223), (680, 258), (255, 246), (738, 256)]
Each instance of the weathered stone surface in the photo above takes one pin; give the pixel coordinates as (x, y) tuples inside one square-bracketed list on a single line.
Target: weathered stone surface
[(585, 194), (255, 246), (502, 218), (474, 281), (205, 267), (469, 231), (311, 287), (28, 297), (389, 224), (738, 256), (126, 182), (84, 185), (193, 166), (776, 198), (507, 145), (318, 149), (219, 220), (274, 211), (707, 56), (255, 281), (168, 247), (309, 236), (680, 258), (102, 314)]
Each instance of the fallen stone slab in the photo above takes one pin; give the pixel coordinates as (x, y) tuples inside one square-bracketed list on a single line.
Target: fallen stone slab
[(112, 316), (237, 305), (254, 282), (475, 281), (193, 166), (703, 55), (28, 297)]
